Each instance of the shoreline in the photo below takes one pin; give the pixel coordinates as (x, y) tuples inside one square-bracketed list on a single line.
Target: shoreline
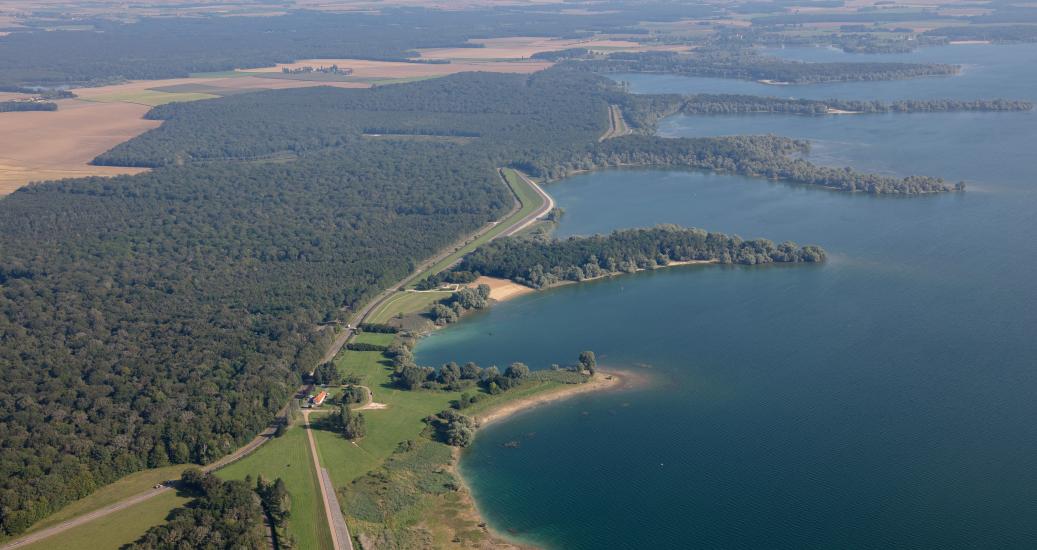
[(602, 381), (524, 290)]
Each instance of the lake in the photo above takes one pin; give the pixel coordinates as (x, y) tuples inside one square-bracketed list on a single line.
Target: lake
[(883, 399)]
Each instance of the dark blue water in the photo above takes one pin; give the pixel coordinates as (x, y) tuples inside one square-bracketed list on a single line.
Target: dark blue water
[(882, 400)]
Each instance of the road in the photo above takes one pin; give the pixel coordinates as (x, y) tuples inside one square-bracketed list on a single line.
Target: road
[(264, 436), (340, 539)]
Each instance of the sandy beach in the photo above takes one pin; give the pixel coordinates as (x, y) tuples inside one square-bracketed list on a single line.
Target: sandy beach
[(602, 380), (502, 290)]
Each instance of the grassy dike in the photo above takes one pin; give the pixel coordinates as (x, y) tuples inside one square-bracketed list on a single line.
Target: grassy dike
[(529, 201)]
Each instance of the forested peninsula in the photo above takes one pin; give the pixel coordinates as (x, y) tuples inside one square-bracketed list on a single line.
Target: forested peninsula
[(724, 104), (539, 264), (746, 64), (772, 157), (164, 318)]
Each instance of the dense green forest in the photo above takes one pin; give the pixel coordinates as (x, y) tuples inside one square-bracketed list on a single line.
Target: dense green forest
[(165, 317), (10, 106), (539, 264), (749, 65)]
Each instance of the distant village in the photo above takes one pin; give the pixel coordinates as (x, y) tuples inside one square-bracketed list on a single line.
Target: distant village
[(331, 69)]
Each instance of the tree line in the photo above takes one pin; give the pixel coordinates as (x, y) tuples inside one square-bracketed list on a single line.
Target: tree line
[(12, 106), (541, 264), (771, 157), (747, 64), (714, 104)]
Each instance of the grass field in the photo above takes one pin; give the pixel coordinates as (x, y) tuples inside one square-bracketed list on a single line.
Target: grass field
[(125, 487), (288, 457), (530, 200), (114, 530), (405, 303), (149, 97)]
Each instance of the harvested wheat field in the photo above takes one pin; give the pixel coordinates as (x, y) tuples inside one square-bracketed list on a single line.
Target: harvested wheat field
[(41, 145), (375, 70), (522, 47)]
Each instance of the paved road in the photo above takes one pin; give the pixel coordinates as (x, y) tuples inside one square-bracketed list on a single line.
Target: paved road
[(266, 434), (340, 538)]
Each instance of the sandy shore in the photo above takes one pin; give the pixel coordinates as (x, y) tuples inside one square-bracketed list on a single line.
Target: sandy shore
[(600, 381), (502, 290)]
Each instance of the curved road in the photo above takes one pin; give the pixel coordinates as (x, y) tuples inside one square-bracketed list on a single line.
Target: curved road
[(333, 350)]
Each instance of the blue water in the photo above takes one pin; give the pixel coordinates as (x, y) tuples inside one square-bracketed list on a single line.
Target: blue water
[(882, 400)]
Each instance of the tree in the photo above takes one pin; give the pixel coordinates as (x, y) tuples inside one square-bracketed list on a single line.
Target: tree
[(326, 374), (470, 371), (353, 394), (352, 424), (517, 371), (587, 362)]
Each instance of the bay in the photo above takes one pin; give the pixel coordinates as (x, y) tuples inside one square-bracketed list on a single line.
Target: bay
[(882, 400)]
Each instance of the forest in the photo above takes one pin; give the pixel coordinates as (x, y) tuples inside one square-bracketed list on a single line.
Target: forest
[(11, 106), (747, 64), (165, 317), (541, 264)]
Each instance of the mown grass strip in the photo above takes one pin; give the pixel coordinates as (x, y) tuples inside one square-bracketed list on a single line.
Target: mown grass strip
[(530, 201)]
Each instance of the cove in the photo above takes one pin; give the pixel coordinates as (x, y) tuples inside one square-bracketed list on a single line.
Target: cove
[(881, 400)]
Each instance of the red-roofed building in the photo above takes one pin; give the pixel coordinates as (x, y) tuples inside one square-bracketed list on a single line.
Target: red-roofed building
[(319, 399)]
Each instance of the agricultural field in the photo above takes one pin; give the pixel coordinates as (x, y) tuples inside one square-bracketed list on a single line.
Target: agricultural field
[(367, 70), (41, 145), (523, 47)]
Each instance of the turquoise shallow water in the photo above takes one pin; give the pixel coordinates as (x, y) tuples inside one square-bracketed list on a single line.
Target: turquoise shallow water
[(882, 400)]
